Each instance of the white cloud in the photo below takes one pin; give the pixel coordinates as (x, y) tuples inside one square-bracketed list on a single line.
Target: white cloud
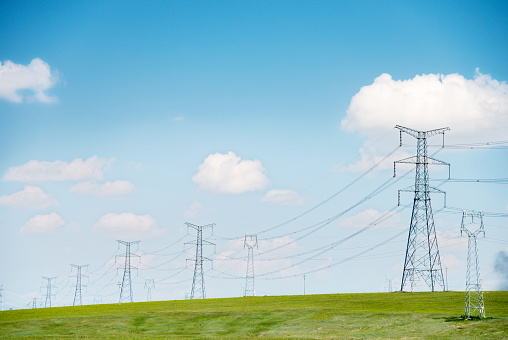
[(229, 174), (194, 211), (475, 110), (39, 171), (370, 216), (43, 224), (127, 225), (283, 197), (108, 190), (36, 77), (30, 197)]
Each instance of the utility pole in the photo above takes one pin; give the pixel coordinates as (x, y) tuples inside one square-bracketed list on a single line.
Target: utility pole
[(198, 280), (77, 295), (474, 306), (422, 253), (250, 242), (126, 285), (149, 284), (47, 303)]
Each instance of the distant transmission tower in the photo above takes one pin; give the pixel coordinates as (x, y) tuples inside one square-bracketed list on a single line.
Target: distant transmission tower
[(149, 285), (47, 303), (34, 303), (126, 285), (97, 299), (198, 281), (77, 295), (474, 295), (422, 253), (250, 242), (1, 297)]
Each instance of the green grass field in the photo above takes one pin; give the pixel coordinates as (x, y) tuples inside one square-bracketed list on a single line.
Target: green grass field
[(337, 316)]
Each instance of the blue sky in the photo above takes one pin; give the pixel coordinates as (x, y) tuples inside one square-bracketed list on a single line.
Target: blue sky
[(124, 120)]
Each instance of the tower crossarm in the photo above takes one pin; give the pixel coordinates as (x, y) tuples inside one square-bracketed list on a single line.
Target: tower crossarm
[(421, 134)]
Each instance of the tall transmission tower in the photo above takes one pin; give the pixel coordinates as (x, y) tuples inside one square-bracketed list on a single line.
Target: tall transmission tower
[(250, 242), (126, 285), (1, 297), (77, 295), (198, 280), (422, 253), (474, 295), (47, 303), (34, 303), (149, 285)]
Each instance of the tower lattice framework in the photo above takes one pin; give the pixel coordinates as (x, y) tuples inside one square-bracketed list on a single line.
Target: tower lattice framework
[(422, 259), (47, 303), (77, 294), (474, 306), (250, 242), (198, 280), (126, 294)]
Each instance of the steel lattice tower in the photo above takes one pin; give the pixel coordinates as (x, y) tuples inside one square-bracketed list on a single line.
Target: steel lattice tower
[(127, 278), (149, 285), (47, 303), (77, 295), (198, 280), (474, 295), (422, 253), (1, 297), (250, 242)]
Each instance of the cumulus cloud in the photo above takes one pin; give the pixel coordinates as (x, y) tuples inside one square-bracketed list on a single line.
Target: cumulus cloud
[(283, 197), (40, 171), (108, 190), (43, 224), (35, 77), (229, 174), (127, 225), (474, 109), (194, 211), (30, 197)]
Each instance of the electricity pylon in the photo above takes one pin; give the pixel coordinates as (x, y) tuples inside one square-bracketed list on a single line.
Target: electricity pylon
[(77, 294), (127, 278), (149, 285), (250, 242), (47, 303), (198, 280), (1, 297), (422, 252), (34, 303), (474, 295)]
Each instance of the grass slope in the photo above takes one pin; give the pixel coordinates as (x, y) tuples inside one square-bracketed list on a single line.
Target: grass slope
[(338, 316)]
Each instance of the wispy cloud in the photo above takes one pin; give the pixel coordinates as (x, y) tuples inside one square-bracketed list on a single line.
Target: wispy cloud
[(43, 224), (35, 77), (109, 190), (127, 225), (31, 197), (283, 197), (40, 171)]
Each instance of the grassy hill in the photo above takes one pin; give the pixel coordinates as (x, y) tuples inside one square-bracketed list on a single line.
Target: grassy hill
[(337, 316)]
